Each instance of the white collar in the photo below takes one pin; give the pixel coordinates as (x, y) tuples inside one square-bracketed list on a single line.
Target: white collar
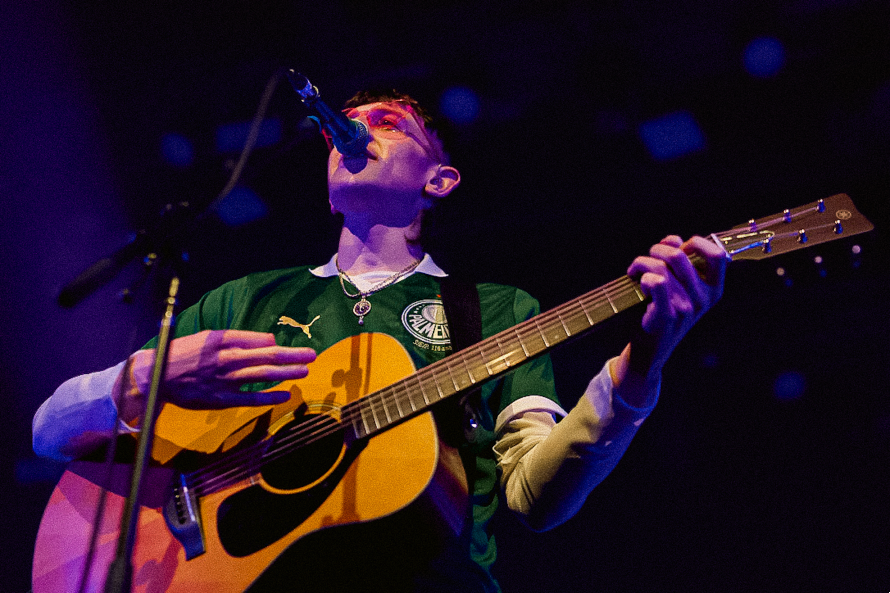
[(426, 266)]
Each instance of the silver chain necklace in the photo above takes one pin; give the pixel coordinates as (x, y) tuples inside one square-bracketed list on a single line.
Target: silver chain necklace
[(363, 307)]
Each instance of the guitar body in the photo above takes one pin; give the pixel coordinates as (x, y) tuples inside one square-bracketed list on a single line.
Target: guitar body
[(249, 522)]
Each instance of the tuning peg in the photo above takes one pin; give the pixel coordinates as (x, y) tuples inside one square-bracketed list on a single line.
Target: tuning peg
[(820, 206), (786, 215), (838, 227), (802, 236)]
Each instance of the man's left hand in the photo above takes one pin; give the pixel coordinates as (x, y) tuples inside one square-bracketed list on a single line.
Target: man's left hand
[(680, 294)]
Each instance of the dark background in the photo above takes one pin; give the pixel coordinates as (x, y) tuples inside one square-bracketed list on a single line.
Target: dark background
[(765, 465)]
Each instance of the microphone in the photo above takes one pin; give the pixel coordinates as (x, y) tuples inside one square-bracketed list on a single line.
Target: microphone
[(350, 136)]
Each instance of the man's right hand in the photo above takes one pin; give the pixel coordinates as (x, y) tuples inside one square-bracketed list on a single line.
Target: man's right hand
[(206, 370)]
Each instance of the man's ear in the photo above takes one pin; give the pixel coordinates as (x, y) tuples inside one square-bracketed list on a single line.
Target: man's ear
[(443, 182)]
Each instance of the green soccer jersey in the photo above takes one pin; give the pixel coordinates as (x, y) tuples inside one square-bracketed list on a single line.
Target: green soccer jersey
[(281, 301)]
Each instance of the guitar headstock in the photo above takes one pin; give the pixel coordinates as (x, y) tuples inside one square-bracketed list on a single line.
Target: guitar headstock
[(818, 222)]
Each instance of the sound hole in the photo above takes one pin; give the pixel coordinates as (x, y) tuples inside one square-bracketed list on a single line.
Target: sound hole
[(302, 451)]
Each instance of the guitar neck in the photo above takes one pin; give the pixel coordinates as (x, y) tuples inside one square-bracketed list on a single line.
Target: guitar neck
[(812, 224), (488, 359)]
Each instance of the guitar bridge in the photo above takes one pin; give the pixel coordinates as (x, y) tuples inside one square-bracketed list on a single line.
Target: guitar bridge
[(182, 517)]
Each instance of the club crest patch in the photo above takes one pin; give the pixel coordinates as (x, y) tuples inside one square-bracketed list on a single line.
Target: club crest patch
[(425, 320)]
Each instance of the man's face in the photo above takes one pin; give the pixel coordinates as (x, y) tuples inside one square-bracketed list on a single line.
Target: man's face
[(400, 159)]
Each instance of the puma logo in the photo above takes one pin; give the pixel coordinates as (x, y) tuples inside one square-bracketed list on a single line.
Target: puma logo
[(284, 320)]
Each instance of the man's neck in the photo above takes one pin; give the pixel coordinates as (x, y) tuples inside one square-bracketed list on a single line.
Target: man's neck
[(376, 248)]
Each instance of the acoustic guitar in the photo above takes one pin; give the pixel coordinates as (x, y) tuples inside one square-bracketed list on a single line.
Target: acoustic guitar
[(230, 490)]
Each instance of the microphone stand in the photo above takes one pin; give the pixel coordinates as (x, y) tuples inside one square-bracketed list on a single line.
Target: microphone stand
[(120, 571), (167, 237), (163, 249)]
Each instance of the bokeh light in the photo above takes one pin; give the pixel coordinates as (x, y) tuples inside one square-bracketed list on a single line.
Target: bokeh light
[(241, 206), (460, 105), (764, 57), (177, 149), (231, 137), (789, 386), (671, 136)]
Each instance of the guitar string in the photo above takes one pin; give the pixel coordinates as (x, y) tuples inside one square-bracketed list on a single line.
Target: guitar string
[(323, 425), (433, 369), (794, 233), (378, 400), (777, 221)]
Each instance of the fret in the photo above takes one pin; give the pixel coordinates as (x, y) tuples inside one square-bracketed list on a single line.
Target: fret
[(626, 299), (497, 342), (541, 333), (574, 322), (608, 298), (499, 362), (390, 407), (451, 376), (562, 322), (554, 333), (463, 359), (412, 392), (362, 412), (436, 376), (481, 372), (465, 379), (458, 385), (426, 399), (478, 368), (585, 311), (521, 343), (406, 405), (485, 361), (601, 311), (380, 404), (431, 383), (357, 429), (370, 406), (504, 357), (513, 356), (396, 399), (533, 342)]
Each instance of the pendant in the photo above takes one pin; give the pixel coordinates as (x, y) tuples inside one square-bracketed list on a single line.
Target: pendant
[(361, 309)]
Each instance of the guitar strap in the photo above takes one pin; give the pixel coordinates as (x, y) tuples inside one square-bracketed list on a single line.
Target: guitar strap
[(459, 420)]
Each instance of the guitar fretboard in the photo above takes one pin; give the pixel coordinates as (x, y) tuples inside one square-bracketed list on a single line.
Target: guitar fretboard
[(488, 359)]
